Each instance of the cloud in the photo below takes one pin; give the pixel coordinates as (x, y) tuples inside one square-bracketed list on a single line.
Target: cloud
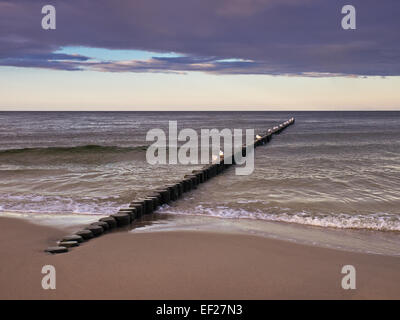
[(277, 37), (208, 65)]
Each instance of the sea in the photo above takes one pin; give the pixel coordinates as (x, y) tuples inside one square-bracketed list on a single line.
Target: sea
[(332, 179)]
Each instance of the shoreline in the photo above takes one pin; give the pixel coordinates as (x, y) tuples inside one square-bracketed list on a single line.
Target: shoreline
[(186, 265), (363, 241)]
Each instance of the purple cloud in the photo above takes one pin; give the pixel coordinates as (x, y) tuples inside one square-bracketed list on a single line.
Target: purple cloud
[(278, 37)]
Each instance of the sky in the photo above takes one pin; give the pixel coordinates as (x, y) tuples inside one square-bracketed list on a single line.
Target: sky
[(200, 55)]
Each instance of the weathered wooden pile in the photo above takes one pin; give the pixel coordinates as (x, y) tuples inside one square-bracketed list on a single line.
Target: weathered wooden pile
[(159, 197)]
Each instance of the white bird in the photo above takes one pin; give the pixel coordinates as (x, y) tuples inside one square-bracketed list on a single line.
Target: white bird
[(214, 157), (258, 137)]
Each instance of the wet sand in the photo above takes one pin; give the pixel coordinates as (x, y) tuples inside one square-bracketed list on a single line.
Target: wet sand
[(185, 265)]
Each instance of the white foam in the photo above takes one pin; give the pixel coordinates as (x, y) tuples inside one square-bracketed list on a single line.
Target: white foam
[(377, 221), (58, 204), (380, 221)]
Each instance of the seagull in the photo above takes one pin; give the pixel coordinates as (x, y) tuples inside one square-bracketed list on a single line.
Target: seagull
[(215, 157)]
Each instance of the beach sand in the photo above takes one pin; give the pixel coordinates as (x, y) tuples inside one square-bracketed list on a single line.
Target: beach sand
[(185, 265)]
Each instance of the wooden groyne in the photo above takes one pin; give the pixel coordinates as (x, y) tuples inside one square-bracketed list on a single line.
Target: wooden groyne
[(160, 196)]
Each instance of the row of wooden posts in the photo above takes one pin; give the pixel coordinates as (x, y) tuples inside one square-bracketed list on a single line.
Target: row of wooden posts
[(159, 197)]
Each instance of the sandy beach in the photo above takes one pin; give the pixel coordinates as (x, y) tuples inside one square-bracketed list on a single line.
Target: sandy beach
[(210, 150), (185, 265)]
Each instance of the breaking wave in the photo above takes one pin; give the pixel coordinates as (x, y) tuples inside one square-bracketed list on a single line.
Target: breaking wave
[(74, 149), (377, 221)]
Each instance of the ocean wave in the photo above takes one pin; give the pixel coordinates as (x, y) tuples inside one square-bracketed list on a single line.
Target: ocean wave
[(377, 221), (72, 149), (59, 204)]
